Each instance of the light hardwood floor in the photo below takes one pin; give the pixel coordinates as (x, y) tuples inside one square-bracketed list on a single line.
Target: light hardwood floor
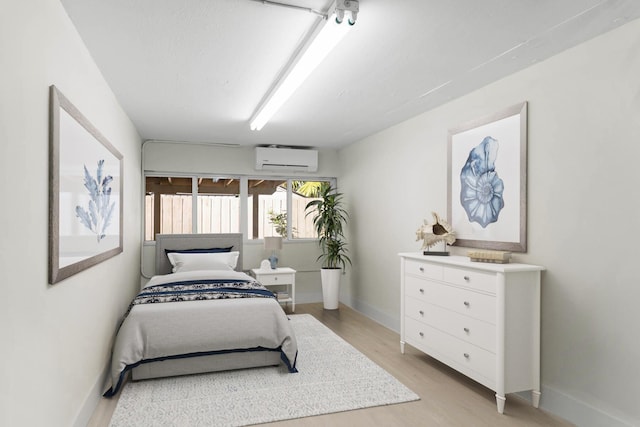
[(447, 398)]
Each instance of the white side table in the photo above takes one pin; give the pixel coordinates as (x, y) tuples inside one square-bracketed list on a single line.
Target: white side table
[(279, 276)]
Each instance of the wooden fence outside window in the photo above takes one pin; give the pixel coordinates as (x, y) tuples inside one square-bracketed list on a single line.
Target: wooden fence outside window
[(221, 214)]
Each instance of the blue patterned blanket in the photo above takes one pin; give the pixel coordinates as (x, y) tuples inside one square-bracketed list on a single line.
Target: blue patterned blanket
[(203, 289)]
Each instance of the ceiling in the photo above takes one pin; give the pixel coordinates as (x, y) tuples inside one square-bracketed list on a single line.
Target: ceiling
[(195, 70)]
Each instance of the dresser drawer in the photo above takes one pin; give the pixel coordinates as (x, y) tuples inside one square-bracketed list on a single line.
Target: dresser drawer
[(480, 280), (466, 328), (423, 269), (463, 354), (463, 301), (275, 279)]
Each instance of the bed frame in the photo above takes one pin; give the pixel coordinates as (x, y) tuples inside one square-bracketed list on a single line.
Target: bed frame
[(200, 364)]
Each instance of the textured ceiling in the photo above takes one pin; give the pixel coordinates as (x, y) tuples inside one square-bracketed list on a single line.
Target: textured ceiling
[(195, 70)]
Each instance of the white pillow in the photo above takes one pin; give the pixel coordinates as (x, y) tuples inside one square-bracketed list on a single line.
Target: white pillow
[(206, 261)]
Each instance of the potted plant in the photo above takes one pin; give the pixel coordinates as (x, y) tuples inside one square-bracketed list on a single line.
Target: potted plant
[(329, 219)]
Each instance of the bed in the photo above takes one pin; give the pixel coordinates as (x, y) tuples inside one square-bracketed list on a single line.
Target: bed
[(200, 313)]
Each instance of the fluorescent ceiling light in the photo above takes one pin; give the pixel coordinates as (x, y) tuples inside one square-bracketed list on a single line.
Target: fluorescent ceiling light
[(321, 41)]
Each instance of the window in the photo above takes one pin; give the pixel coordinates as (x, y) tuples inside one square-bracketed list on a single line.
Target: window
[(209, 204), (277, 208), (302, 193), (267, 201), (218, 205), (170, 209)]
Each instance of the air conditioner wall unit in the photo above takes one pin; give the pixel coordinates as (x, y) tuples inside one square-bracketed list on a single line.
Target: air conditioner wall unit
[(286, 159)]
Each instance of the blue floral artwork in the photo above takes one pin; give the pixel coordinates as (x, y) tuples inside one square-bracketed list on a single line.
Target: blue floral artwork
[(481, 187), (98, 215)]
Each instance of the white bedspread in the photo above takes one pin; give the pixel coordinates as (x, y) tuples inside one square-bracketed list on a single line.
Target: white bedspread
[(158, 331)]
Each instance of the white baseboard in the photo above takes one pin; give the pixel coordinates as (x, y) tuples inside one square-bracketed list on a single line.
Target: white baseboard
[(308, 297), (578, 412), (93, 398), (373, 313)]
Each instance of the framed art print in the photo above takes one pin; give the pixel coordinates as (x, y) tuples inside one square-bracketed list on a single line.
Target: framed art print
[(85, 192), (487, 181)]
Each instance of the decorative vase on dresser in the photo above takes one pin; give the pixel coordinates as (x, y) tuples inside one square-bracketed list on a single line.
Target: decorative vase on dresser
[(481, 319)]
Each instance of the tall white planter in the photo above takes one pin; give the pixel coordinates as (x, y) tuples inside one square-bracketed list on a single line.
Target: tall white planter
[(330, 287)]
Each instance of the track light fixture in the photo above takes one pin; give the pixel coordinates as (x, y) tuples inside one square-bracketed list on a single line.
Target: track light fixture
[(323, 37), (343, 6)]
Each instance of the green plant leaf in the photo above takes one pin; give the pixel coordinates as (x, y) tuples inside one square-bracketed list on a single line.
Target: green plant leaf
[(329, 220)]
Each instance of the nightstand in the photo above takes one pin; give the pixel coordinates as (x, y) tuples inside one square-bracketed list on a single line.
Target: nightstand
[(282, 276)]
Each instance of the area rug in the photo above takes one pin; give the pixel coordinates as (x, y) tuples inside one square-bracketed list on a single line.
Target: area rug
[(333, 377)]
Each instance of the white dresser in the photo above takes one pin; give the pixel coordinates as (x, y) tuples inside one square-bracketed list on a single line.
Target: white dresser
[(481, 319)]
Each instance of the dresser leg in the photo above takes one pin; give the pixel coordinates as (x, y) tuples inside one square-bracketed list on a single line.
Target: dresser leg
[(500, 400), (535, 398), (402, 347)]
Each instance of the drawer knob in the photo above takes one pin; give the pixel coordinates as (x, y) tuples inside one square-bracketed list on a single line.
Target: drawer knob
[(421, 291), (421, 313), (422, 334), (466, 355), (421, 269), (466, 304), (466, 330), (275, 278), (467, 278)]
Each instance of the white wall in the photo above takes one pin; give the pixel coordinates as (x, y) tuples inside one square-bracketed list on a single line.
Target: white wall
[(184, 157), (584, 142), (55, 340)]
